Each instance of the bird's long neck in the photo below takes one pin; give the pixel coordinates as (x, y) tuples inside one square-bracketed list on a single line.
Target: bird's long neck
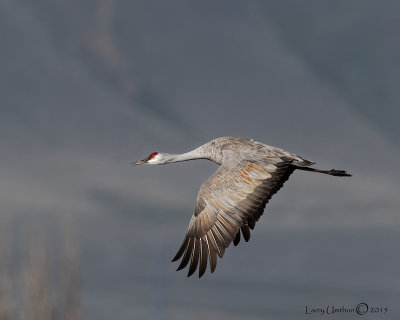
[(191, 155)]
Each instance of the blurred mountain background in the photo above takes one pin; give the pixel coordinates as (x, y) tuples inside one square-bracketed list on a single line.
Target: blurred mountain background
[(89, 86)]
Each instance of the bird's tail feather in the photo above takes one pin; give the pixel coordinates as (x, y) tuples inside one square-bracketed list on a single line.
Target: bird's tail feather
[(333, 172)]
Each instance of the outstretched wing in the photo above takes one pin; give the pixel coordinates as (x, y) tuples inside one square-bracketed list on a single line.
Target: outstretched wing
[(233, 199)]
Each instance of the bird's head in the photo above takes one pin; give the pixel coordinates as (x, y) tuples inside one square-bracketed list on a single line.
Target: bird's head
[(153, 158)]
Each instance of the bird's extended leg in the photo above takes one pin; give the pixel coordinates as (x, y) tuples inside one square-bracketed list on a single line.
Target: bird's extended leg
[(333, 172)]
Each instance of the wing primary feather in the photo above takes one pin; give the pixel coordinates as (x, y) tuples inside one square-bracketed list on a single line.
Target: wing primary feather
[(181, 249), (212, 250), (195, 257), (224, 233), (213, 242), (219, 240), (203, 256), (246, 232), (188, 253), (251, 222), (237, 239)]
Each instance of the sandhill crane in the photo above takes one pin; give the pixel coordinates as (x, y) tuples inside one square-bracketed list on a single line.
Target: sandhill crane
[(234, 198)]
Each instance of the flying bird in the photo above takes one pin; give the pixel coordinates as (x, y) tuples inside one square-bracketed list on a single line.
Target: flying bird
[(231, 201)]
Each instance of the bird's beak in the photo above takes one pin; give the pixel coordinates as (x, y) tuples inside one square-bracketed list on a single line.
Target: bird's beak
[(139, 162)]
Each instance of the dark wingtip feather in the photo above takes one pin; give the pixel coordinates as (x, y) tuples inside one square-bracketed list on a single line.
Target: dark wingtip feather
[(246, 232), (181, 266), (203, 256), (237, 239), (213, 261), (181, 249), (195, 257), (251, 222), (187, 255), (212, 251)]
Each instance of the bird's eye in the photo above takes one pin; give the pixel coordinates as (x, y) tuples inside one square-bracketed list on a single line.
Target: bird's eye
[(153, 155)]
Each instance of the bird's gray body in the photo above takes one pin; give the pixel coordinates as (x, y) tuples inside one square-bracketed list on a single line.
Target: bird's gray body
[(231, 201), (233, 152), (239, 148)]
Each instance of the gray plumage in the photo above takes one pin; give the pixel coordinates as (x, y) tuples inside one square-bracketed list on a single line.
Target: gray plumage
[(231, 201)]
